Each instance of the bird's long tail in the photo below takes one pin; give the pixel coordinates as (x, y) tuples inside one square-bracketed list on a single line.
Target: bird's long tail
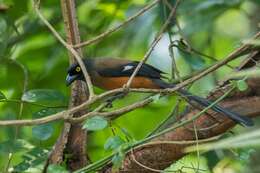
[(205, 103)]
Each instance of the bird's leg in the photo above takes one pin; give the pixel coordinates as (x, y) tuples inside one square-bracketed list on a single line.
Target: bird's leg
[(110, 100), (119, 95)]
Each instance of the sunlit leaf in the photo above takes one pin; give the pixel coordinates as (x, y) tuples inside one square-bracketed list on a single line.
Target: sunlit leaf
[(95, 123), (189, 163), (242, 85)]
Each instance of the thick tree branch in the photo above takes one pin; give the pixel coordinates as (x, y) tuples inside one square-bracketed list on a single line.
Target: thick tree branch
[(168, 148), (73, 137), (162, 154)]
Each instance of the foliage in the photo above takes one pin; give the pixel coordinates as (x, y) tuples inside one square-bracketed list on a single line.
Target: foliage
[(95, 123), (33, 68)]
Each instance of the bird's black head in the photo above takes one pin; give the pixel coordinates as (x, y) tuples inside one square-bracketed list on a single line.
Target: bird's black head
[(74, 73)]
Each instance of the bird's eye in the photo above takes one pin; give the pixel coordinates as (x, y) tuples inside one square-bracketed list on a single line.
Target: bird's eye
[(78, 69)]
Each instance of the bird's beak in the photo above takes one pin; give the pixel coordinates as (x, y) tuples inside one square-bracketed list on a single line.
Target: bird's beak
[(70, 79)]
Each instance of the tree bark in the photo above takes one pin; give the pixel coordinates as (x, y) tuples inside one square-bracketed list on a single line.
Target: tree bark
[(72, 141)]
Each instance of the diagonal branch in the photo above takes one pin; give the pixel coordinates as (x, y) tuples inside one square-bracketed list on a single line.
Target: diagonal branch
[(154, 43)]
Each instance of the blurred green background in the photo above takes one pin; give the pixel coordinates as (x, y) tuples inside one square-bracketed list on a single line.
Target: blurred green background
[(33, 67)]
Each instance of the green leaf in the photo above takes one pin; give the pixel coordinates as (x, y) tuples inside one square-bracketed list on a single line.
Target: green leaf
[(31, 159), (3, 28), (4, 36), (195, 61), (19, 8), (244, 155), (118, 159), (45, 96), (56, 169), (113, 143), (45, 112), (242, 85), (95, 123), (44, 131), (190, 163), (2, 96), (13, 146)]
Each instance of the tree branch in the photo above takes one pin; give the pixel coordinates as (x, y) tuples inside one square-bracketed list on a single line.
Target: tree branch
[(161, 154)]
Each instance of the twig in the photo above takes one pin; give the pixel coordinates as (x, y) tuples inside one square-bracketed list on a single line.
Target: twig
[(21, 108), (144, 166), (167, 120), (110, 31), (177, 142), (115, 112), (154, 43), (63, 115)]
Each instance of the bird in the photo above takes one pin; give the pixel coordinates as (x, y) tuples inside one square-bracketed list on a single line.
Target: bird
[(113, 73)]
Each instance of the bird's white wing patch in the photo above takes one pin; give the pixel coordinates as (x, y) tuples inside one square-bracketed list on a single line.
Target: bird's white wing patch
[(128, 67)]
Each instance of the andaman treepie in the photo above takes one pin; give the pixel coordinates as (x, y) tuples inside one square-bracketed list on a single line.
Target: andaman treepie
[(112, 73)]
